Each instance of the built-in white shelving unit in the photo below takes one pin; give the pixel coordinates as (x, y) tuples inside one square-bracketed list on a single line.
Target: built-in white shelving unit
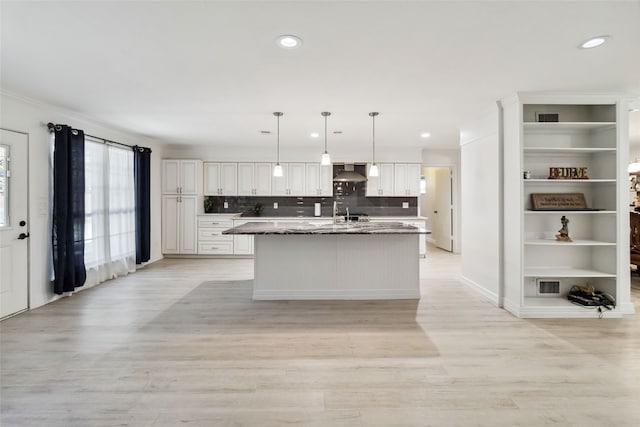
[(591, 132)]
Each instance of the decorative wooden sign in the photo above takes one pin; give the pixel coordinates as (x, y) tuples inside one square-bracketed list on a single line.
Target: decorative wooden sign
[(568, 173), (558, 201)]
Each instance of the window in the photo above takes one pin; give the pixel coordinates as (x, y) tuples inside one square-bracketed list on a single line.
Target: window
[(109, 211)]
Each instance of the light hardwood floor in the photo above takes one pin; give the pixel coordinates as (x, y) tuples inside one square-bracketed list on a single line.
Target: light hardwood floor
[(181, 343)]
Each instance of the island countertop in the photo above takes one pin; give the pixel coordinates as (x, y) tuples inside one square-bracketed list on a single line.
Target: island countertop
[(284, 227)]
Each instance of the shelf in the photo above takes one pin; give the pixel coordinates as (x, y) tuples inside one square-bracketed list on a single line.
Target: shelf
[(567, 181), (563, 272), (567, 212), (569, 150), (575, 242), (567, 126)]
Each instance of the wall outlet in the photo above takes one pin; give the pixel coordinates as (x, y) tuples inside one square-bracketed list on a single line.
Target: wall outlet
[(226, 205), (275, 205), (405, 205)]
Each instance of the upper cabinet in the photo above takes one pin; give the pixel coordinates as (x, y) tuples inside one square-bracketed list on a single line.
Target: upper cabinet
[(220, 179), (319, 180), (254, 179), (181, 176), (292, 181), (381, 185), (406, 179)]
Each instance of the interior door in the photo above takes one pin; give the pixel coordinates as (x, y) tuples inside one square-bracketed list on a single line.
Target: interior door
[(443, 210), (14, 228)]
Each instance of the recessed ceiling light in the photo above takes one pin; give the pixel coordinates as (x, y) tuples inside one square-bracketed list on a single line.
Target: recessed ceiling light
[(594, 42), (315, 135), (425, 135), (289, 42)]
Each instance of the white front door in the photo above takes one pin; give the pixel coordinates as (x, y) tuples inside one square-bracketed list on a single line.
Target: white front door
[(14, 227), (443, 211)]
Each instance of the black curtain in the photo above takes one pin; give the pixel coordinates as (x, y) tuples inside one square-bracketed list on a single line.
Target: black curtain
[(68, 209), (142, 177)]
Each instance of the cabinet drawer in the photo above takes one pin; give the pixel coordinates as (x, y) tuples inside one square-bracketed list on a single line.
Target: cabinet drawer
[(205, 248), (209, 234), (217, 223)]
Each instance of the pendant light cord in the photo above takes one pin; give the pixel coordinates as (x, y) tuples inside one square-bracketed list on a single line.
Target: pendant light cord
[(373, 118), (325, 132)]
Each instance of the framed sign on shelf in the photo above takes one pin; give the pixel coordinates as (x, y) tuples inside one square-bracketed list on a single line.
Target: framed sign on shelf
[(558, 201)]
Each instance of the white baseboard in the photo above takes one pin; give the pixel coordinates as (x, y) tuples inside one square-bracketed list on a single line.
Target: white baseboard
[(480, 290), (347, 294)]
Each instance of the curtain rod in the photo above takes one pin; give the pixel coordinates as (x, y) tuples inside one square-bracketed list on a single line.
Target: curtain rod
[(52, 127)]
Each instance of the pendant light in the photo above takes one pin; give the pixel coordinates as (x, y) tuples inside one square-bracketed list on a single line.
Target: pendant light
[(373, 170), (325, 159), (277, 170)]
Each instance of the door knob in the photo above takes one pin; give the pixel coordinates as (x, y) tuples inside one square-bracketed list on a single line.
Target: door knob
[(23, 236)]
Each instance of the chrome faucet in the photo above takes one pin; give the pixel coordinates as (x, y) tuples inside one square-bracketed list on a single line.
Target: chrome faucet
[(335, 211), (347, 218)]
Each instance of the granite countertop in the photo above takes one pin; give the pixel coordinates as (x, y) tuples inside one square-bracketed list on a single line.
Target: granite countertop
[(283, 227)]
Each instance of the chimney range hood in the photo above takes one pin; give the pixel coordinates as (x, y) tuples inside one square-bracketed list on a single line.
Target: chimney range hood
[(349, 175)]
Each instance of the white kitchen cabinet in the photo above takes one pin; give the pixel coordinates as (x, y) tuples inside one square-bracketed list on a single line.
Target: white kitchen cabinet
[(588, 133), (381, 185), (292, 181), (319, 180), (179, 224), (254, 179), (211, 241), (220, 179), (406, 179), (242, 243), (181, 176)]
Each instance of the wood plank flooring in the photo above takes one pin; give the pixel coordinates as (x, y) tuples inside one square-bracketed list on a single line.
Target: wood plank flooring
[(181, 343)]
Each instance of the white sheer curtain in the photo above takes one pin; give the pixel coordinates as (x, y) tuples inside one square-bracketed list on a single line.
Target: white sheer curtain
[(110, 249)]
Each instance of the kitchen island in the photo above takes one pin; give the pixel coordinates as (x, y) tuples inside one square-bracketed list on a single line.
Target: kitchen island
[(334, 261)]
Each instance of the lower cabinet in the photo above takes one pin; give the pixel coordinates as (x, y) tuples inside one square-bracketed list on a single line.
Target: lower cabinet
[(179, 224), (242, 243), (211, 241)]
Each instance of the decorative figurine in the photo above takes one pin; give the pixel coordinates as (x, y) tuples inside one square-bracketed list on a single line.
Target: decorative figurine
[(563, 233)]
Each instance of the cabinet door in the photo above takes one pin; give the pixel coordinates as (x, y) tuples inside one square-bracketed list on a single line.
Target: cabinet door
[(326, 180), (400, 179), (242, 244), (312, 179), (373, 183), (386, 179), (189, 171), (170, 176), (262, 179), (211, 179), (279, 183), (228, 179), (170, 221), (296, 179), (413, 179), (188, 225), (245, 179)]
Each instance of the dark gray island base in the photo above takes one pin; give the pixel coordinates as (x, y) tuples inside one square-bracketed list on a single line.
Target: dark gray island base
[(334, 261)]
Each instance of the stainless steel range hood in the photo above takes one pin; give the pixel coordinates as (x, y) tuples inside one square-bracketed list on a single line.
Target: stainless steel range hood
[(349, 175)]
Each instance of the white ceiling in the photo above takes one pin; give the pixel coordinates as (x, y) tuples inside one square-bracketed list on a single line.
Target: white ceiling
[(210, 72)]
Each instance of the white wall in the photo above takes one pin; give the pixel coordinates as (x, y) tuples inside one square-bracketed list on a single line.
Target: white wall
[(31, 117), (481, 206), (449, 158)]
